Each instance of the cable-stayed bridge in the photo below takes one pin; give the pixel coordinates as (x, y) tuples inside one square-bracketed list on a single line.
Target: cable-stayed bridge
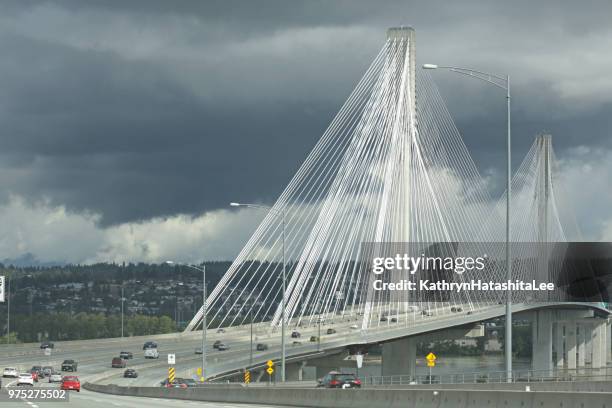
[(390, 168)]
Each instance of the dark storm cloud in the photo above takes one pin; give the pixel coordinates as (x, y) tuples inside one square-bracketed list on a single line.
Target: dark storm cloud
[(150, 108)]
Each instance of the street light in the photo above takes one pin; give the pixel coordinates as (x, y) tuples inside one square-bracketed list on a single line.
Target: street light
[(204, 308), (503, 83), (280, 213)]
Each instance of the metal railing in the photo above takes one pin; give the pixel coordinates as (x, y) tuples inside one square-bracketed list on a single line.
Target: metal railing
[(518, 376)]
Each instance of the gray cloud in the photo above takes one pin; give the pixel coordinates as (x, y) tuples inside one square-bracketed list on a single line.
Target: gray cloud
[(142, 109)]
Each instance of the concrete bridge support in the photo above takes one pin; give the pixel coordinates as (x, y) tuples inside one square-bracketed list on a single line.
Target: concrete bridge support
[(569, 340), (399, 357), (542, 341)]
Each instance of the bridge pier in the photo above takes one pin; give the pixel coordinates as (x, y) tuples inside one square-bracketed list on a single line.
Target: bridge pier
[(576, 339), (399, 357), (541, 359)]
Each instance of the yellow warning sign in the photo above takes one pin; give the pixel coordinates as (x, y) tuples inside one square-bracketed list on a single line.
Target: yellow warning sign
[(270, 363), (171, 374), (199, 371), (247, 377), (270, 370), (431, 359)]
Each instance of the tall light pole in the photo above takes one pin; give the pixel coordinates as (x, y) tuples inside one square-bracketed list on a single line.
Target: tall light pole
[(280, 213), (503, 83), (204, 308), (122, 300)]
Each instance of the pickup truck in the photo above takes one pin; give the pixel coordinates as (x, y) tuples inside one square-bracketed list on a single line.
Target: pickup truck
[(69, 365)]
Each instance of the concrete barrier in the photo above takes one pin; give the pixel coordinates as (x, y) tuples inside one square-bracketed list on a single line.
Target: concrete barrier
[(369, 398)]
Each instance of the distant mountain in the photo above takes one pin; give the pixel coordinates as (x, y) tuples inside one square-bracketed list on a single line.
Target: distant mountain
[(29, 260)]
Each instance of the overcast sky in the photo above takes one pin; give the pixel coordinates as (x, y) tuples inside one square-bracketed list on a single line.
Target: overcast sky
[(127, 127)]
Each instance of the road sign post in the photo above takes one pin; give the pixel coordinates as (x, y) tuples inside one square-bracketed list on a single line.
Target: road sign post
[(171, 375), (171, 359), (270, 370), (431, 362), (1, 289)]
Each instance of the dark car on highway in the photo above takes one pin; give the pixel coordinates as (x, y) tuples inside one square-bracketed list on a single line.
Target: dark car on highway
[(223, 347), (130, 373), (331, 331), (216, 344), (46, 344), (295, 334), (339, 380), (262, 346), (69, 365)]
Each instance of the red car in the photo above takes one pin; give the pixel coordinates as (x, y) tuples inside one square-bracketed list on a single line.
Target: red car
[(71, 382), (34, 375)]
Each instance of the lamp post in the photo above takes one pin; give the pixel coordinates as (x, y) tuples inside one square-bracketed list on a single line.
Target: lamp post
[(204, 308), (122, 300), (503, 83), (280, 213)]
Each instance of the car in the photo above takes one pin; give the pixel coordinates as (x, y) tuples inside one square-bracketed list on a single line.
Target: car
[(151, 353), (71, 382), (223, 347), (427, 312), (469, 312), (198, 350), (118, 362), (331, 331), (126, 355), (354, 327), (297, 343), (69, 365), (177, 383), (55, 377), (130, 373), (216, 344), (383, 318), (189, 382), (36, 368), (149, 345), (34, 374), (25, 379), (314, 338), (295, 334), (220, 330), (394, 320), (335, 379), (46, 345), (47, 370), (262, 346), (10, 372)]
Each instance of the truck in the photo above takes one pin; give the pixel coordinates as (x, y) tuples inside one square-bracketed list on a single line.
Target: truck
[(69, 365)]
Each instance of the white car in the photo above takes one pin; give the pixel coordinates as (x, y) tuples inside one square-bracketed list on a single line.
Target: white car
[(10, 372), (25, 379), (151, 353), (55, 377), (354, 327)]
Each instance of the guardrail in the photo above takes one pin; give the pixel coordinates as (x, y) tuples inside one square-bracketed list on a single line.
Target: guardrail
[(518, 376)]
